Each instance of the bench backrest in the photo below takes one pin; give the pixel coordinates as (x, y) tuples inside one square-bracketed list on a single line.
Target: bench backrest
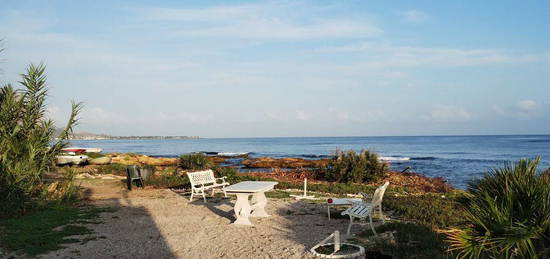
[(379, 194), (201, 177)]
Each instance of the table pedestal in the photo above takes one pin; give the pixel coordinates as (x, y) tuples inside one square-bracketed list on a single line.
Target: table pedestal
[(243, 209)]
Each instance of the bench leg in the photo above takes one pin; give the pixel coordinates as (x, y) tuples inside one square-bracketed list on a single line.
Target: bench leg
[(192, 193), (259, 205), (242, 209), (382, 214), (203, 196), (371, 226), (350, 223)]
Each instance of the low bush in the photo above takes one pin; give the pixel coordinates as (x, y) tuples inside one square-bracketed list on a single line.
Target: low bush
[(229, 172), (194, 161), (352, 167)]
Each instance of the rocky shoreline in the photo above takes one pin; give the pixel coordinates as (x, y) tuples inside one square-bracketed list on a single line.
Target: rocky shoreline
[(286, 169)]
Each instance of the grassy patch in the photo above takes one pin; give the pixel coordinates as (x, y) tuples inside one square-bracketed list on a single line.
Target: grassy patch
[(411, 241), (47, 229), (277, 194), (428, 209), (168, 181), (114, 168)]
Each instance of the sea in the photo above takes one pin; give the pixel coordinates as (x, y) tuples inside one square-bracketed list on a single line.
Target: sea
[(458, 159)]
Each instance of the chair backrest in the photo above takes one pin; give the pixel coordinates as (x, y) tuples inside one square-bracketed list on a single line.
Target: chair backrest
[(379, 194), (201, 177), (133, 171)]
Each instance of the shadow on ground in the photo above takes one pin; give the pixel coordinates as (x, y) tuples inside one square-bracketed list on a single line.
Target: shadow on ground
[(136, 234)]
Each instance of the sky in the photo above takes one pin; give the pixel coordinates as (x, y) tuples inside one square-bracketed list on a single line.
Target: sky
[(287, 68)]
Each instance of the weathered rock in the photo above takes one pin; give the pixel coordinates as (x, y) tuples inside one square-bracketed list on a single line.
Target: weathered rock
[(136, 159), (105, 160)]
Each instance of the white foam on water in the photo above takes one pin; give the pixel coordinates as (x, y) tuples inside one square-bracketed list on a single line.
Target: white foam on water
[(393, 158), (232, 153)]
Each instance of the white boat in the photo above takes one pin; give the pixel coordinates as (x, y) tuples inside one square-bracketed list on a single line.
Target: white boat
[(73, 160), (82, 149)]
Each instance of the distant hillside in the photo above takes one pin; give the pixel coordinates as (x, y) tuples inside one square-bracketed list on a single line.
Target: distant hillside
[(88, 135)]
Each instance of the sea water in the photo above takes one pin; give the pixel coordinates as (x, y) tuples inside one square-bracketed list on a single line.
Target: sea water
[(458, 159)]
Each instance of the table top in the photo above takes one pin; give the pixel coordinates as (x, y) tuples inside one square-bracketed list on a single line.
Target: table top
[(251, 186), (344, 201)]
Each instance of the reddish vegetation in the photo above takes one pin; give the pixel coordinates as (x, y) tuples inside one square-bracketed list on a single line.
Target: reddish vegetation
[(417, 181), (412, 181), (288, 162)]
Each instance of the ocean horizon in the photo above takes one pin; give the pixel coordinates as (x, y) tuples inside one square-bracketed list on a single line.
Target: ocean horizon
[(456, 158)]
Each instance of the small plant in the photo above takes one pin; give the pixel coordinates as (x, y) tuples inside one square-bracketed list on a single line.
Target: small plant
[(229, 172), (352, 167), (508, 214), (194, 161)]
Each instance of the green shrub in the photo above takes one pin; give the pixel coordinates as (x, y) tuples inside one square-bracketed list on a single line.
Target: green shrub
[(194, 161), (28, 146), (229, 172), (508, 214), (352, 167)]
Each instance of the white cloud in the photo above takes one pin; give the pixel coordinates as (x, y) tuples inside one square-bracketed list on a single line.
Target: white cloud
[(446, 113), (386, 55), (522, 109), (261, 21), (413, 16), (302, 115)]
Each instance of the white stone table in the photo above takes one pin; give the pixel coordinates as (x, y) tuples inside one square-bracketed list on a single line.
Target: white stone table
[(243, 208)]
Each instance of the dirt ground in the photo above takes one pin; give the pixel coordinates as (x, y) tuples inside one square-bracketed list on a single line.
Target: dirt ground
[(152, 223)]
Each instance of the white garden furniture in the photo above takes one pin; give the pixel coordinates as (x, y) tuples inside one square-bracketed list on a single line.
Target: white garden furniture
[(202, 181), (363, 209), (341, 202), (243, 208)]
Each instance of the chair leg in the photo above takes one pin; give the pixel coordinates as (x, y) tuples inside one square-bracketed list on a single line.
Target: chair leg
[(350, 223), (382, 215), (371, 226)]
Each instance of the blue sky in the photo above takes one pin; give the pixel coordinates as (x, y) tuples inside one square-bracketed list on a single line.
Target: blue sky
[(288, 68)]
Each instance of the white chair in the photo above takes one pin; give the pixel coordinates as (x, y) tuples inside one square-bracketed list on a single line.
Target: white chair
[(202, 181), (362, 210)]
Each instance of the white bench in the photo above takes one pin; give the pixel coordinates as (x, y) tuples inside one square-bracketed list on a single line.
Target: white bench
[(202, 181), (363, 210)]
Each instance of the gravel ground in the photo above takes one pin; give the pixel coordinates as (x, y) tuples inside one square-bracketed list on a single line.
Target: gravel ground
[(153, 223)]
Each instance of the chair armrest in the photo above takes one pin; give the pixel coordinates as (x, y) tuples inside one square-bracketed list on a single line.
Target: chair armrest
[(221, 178)]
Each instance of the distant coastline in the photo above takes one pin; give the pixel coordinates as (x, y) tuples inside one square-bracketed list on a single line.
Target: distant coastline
[(108, 137)]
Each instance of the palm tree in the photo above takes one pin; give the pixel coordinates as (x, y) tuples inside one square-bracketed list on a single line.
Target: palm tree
[(508, 212), (27, 143)]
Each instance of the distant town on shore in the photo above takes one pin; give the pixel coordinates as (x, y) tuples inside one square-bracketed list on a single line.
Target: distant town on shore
[(94, 136)]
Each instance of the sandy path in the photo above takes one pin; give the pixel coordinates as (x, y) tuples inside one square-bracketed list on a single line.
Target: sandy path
[(163, 224)]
